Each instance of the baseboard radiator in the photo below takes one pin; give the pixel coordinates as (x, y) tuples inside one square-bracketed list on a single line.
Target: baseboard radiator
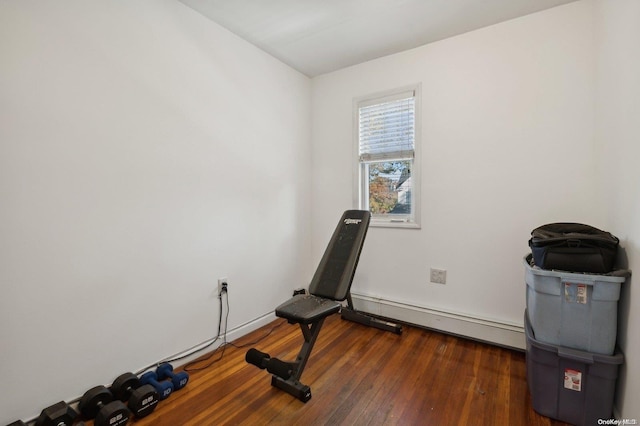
[(486, 330)]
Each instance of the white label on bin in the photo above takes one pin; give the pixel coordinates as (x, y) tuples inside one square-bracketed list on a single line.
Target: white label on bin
[(581, 296), (573, 380), (575, 293)]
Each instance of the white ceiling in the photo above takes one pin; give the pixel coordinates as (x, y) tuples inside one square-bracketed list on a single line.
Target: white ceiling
[(320, 36)]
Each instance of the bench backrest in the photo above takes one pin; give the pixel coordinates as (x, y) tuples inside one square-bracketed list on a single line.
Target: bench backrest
[(337, 267)]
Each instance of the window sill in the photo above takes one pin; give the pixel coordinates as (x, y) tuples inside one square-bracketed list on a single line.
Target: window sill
[(386, 223)]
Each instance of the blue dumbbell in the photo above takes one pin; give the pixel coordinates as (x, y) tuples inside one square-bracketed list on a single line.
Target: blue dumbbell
[(179, 380), (164, 389)]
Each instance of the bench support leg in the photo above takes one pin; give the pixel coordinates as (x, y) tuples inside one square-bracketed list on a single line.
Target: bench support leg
[(292, 387), (292, 384), (350, 314)]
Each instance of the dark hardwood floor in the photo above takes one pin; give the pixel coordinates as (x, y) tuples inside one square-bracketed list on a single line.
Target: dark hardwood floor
[(359, 376)]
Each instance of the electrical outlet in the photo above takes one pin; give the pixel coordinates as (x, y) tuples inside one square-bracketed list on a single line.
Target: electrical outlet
[(438, 276), (222, 281)]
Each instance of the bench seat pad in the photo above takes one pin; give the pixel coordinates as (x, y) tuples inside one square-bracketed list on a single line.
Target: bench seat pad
[(307, 308)]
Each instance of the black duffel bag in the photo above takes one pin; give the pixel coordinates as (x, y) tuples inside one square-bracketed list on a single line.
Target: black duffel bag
[(573, 247)]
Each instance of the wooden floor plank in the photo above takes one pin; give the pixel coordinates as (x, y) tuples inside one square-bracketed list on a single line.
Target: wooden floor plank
[(359, 376)]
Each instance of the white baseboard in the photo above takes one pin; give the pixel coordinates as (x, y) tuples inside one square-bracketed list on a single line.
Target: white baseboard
[(232, 334), (487, 330), (250, 326)]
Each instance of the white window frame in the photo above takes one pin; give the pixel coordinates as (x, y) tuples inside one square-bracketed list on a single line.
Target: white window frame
[(361, 190)]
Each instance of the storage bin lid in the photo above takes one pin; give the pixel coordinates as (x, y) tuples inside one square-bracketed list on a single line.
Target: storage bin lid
[(617, 276)]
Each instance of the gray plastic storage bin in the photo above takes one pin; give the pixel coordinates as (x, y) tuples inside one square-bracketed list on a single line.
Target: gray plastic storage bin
[(574, 310), (569, 385)]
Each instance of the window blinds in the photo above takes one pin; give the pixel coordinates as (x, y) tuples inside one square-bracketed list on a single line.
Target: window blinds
[(387, 128)]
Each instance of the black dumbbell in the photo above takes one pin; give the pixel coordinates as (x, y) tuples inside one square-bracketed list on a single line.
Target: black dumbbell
[(179, 380), (59, 414), (141, 399), (99, 403), (164, 388)]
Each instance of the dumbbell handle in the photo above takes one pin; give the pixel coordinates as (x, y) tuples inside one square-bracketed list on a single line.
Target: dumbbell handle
[(179, 380), (164, 389)]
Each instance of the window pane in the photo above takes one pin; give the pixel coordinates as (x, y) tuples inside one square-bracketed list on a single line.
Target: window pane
[(390, 187)]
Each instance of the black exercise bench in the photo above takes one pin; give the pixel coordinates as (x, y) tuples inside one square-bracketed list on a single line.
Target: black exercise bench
[(329, 287)]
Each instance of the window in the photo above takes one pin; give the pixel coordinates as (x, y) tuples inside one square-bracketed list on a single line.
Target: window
[(387, 139)]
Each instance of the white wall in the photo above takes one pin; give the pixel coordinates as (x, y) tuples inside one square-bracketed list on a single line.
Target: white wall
[(144, 152), (507, 145), (617, 137)]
